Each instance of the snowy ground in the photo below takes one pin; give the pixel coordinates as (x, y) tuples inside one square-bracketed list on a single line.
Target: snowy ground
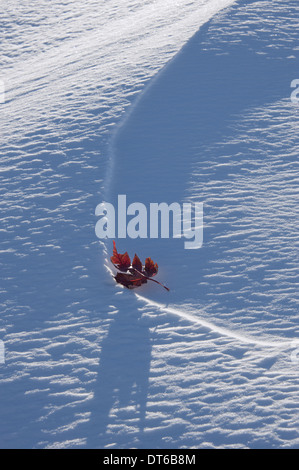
[(212, 364)]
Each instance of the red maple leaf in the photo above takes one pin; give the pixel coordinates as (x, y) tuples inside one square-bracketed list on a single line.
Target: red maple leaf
[(135, 274), (137, 263), (150, 268), (122, 262), (130, 280)]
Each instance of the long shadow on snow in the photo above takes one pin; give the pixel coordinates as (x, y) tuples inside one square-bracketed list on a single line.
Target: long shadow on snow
[(122, 380)]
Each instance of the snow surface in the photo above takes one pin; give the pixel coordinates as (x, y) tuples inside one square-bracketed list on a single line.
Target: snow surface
[(113, 97)]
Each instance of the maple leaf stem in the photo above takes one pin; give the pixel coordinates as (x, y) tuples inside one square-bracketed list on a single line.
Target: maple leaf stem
[(150, 279)]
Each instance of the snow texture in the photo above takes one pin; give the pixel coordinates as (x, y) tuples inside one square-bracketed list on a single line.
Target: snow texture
[(165, 102)]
